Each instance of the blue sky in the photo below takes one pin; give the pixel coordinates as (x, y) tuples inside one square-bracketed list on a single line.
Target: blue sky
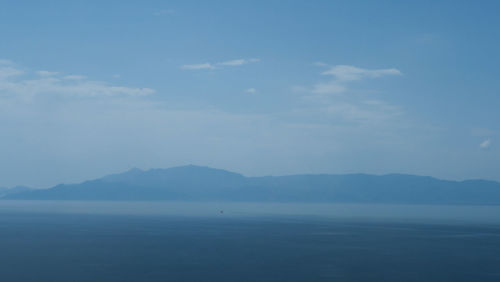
[(259, 87)]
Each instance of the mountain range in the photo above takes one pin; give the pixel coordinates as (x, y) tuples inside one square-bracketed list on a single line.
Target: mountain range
[(4, 191), (196, 183)]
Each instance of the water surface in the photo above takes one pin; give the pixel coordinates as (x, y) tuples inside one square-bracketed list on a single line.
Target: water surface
[(110, 241)]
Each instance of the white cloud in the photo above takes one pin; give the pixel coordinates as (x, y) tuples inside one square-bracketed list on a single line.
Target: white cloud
[(251, 90), (238, 62), (9, 72), (198, 66), (231, 63), (75, 77), (326, 97), (485, 144), (342, 75), (16, 84), (46, 73), (349, 73)]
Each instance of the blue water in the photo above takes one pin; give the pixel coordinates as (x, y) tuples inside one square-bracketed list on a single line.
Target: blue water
[(78, 241)]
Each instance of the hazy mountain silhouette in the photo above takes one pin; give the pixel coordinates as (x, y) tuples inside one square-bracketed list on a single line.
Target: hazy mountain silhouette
[(195, 183), (14, 190)]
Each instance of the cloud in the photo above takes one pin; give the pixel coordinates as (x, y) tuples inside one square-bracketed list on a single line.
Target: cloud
[(9, 72), (251, 90), (198, 66), (350, 73), (18, 84), (327, 98), (238, 62), (46, 73), (485, 144), (342, 75), (75, 77), (230, 63)]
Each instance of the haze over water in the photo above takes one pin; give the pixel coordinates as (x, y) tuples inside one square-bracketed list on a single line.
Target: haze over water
[(380, 212)]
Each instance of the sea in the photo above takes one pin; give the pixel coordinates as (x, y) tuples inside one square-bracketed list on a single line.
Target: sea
[(217, 241)]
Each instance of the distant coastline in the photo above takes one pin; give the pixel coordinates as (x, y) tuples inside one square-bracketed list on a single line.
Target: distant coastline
[(197, 183)]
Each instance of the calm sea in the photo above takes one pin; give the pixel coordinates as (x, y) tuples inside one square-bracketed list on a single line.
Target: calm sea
[(172, 241)]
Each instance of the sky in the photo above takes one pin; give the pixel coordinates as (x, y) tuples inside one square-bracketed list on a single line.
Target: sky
[(89, 88)]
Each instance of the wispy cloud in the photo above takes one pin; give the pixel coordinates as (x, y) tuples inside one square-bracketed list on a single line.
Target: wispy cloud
[(350, 73), (238, 62), (16, 83), (75, 77), (8, 72), (343, 75), (230, 63), (327, 98), (485, 144), (46, 73), (203, 66), (251, 90)]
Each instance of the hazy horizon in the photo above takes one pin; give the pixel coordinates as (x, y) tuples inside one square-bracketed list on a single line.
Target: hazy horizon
[(250, 176), (326, 87)]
